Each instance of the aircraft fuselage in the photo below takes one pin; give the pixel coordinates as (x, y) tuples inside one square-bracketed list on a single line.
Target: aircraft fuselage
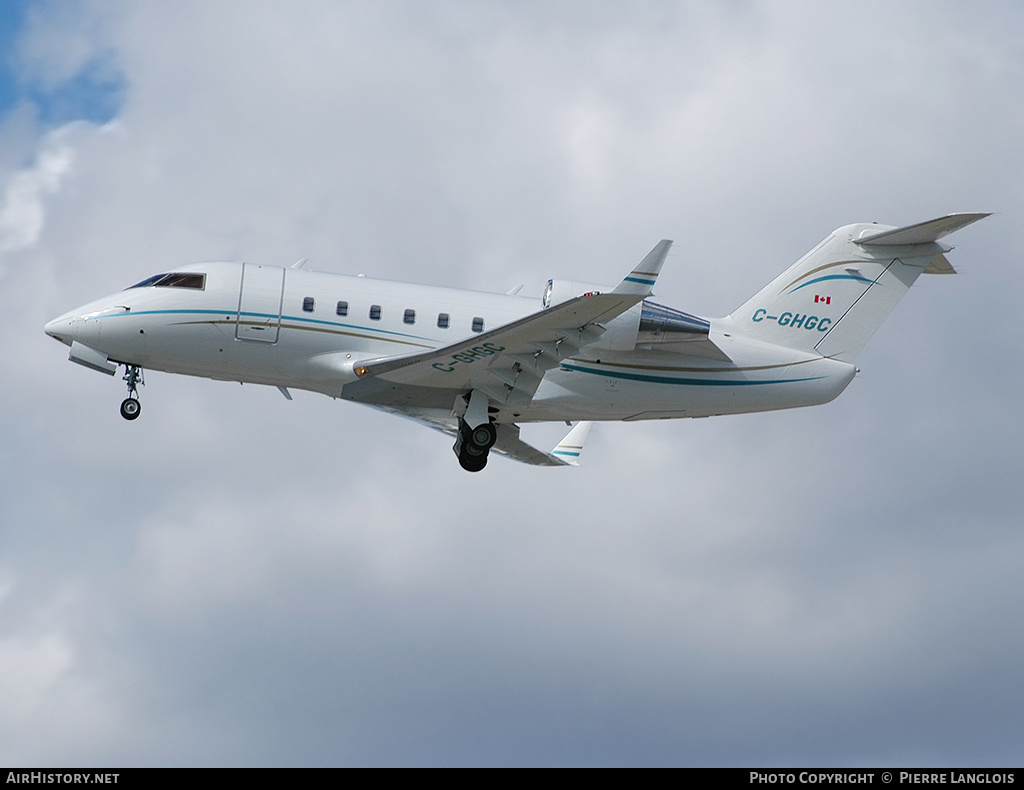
[(307, 330)]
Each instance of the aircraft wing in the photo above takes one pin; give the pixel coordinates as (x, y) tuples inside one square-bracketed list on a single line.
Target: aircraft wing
[(565, 453), (509, 362), (509, 444)]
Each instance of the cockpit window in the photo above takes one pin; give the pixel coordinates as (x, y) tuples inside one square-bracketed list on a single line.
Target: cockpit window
[(174, 280)]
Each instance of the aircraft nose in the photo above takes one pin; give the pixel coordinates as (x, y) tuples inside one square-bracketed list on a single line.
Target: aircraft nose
[(60, 328)]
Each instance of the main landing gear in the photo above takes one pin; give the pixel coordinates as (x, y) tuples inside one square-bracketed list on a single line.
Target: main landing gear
[(130, 406), (473, 444), (477, 434)]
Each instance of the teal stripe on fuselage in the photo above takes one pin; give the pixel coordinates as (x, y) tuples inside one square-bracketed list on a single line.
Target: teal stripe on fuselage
[(685, 381), (349, 326), (222, 313), (159, 312)]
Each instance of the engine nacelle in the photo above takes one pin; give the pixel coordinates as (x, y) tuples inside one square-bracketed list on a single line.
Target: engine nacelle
[(620, 333)]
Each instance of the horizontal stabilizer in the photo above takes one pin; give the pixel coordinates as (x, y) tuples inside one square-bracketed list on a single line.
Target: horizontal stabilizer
[(922, 232)]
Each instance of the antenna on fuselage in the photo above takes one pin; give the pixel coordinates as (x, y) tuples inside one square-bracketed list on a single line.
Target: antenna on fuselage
[(299, 263)]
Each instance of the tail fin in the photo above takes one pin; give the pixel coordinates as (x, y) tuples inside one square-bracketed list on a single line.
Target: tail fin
[(834, 298)]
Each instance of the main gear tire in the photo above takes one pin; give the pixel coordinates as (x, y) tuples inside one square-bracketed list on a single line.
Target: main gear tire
[(472, 463), (484, 436)]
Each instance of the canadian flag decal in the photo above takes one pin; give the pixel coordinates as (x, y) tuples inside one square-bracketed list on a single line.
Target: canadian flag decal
[(824, 299)]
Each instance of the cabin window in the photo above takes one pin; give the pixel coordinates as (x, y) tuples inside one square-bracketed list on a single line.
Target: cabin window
[(443, 320), (478, 324), (308, 304), (409, 317), (375, 312), (342, 308)]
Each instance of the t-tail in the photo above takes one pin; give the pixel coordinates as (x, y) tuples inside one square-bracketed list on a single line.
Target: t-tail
[(833, 299)]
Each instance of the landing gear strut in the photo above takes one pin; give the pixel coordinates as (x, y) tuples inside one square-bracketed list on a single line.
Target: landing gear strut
[(130, 406)]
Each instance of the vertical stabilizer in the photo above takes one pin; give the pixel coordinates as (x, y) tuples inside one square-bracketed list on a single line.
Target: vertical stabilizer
[(833, 299)]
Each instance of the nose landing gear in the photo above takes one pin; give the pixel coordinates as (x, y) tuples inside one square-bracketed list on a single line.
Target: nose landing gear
[(130, 406)]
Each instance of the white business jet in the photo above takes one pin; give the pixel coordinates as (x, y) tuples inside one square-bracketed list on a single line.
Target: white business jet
[(477, 365)]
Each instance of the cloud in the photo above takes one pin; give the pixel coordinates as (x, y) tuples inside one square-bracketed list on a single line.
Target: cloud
[(22, 213)]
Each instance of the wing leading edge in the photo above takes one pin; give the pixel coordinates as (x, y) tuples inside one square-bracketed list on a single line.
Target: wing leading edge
[(509, 362)]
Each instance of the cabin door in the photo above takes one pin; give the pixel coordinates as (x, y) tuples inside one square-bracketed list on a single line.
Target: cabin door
[(259, 303)]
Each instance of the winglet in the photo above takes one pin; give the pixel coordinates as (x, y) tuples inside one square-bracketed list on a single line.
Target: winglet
[(569, 449), (641, 280)]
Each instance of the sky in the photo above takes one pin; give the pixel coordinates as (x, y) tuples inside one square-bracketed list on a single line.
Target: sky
[(239, 580)]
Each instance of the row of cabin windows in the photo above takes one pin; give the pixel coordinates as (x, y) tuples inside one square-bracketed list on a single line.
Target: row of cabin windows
[(409, 317)]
